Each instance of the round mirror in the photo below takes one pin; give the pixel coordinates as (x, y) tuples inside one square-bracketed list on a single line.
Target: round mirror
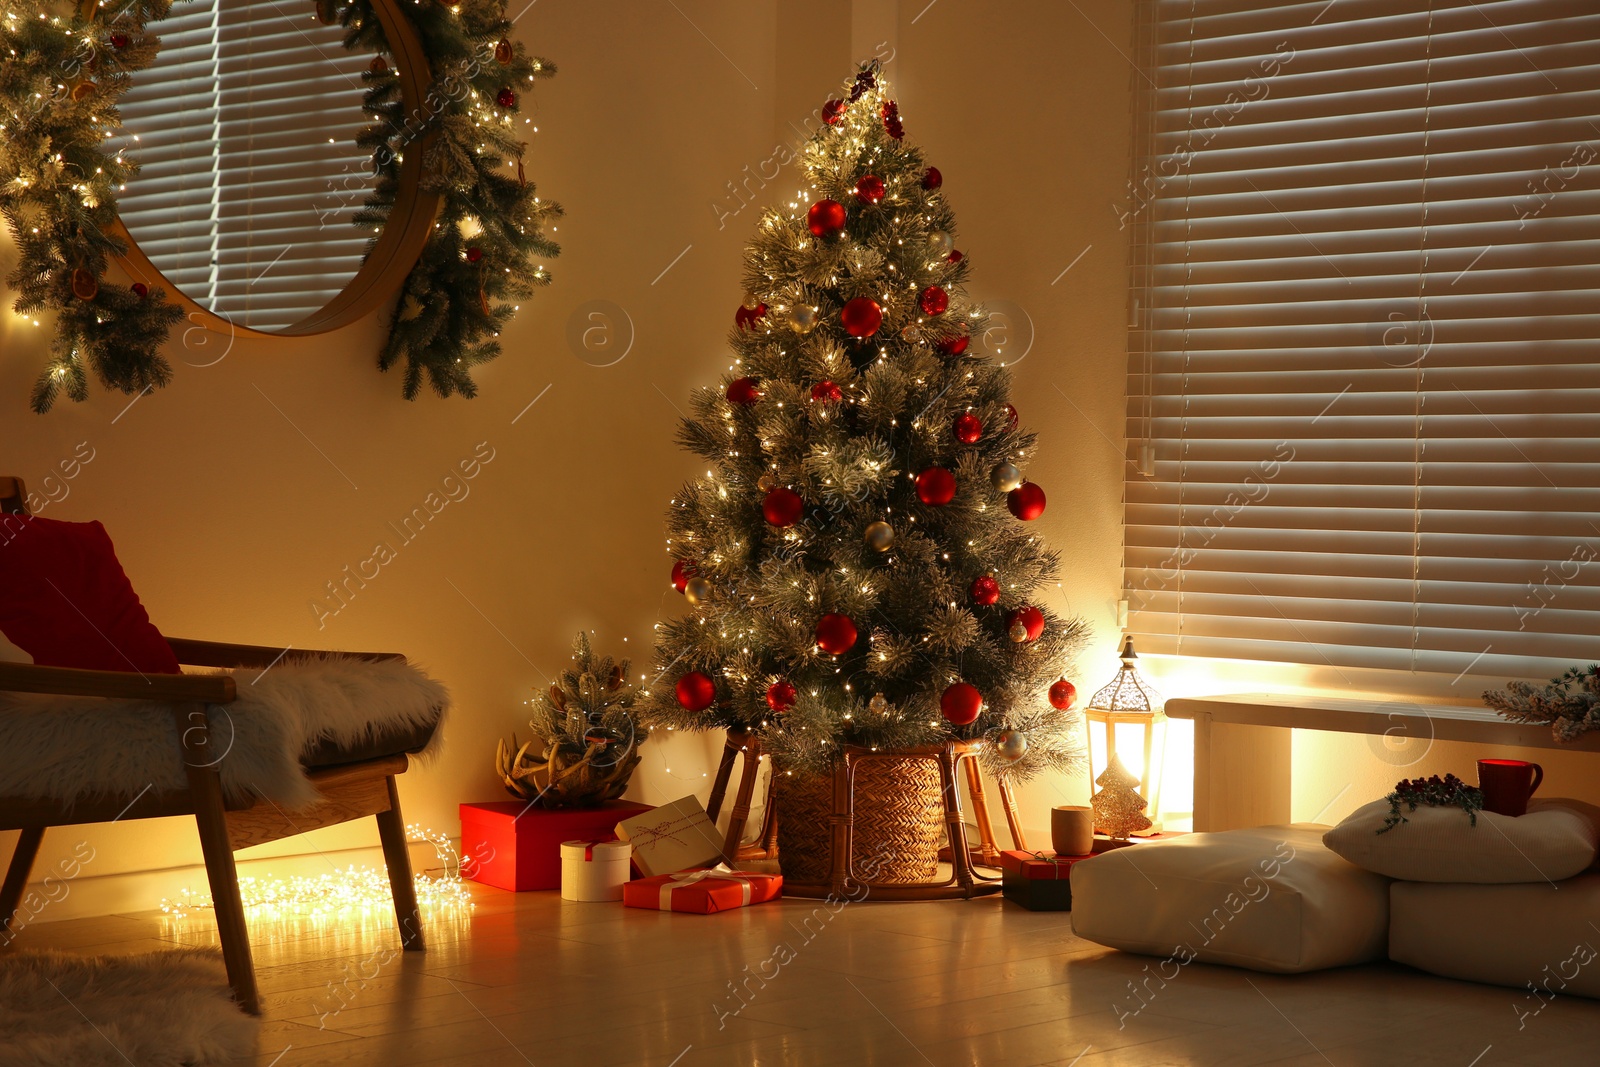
[(245, 131)]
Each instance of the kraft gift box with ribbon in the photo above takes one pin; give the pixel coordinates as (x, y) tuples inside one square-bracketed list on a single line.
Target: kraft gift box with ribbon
[(673, 837), (703, 892)]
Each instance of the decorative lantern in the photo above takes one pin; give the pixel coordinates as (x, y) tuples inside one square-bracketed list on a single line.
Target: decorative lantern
[(1129, 702)]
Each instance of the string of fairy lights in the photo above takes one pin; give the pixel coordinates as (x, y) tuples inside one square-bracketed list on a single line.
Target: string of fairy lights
[(342, 895)]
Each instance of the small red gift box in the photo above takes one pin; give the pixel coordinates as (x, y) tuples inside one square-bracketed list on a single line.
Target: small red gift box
[(702, 892), (1035, 866), (510, 845)]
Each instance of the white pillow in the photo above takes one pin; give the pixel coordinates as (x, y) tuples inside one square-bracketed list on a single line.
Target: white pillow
[(1554, 840), (1269, 898)]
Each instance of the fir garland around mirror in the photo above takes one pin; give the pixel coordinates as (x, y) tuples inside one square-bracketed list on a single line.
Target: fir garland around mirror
[(61, 75)]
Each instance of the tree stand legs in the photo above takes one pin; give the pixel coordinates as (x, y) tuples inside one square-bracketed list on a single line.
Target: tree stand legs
[(748, 744)]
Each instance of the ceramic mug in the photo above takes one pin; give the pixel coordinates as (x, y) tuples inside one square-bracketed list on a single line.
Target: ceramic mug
[(1507, 784), (1072, 830)]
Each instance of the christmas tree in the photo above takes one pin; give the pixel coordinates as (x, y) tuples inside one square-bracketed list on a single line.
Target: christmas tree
[(585, 741), (858, 558)]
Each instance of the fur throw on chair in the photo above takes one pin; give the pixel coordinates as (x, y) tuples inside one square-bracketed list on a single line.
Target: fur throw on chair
[(63, 748)]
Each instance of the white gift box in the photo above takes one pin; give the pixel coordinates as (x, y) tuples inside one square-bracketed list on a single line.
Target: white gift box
[(594, 870)]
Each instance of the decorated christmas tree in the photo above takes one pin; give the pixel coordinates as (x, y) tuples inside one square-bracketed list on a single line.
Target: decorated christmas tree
[(585, 741), (859, 559)]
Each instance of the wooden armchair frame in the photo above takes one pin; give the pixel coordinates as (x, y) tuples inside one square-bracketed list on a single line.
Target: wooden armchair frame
[(349, 791)]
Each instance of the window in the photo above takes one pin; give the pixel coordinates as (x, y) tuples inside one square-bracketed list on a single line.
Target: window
[(1364, 389), (245, 130)]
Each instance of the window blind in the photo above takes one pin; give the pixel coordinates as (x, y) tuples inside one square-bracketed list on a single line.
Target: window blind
[(1364, 378), (245, 129)]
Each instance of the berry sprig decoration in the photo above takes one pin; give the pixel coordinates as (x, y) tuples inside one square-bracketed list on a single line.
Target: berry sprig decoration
[(1435, 792)]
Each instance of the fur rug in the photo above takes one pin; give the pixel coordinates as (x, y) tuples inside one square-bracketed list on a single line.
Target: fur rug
[(67, 748), (166, 1009)]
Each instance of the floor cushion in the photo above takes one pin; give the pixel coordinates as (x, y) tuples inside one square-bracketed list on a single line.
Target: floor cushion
[(1554, 840), (1536, 934), (1272, 898)]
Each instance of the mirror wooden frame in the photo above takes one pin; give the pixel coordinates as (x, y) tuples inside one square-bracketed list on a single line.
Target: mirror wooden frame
[(383, 272)]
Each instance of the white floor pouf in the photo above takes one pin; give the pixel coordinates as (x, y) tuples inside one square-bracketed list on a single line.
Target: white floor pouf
[(1272, 898), (1539, 937)]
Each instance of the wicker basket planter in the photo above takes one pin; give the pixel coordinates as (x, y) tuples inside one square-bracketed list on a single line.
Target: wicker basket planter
[(877, 822)]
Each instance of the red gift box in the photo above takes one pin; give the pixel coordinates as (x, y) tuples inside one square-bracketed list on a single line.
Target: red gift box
[(702, 892), (1036, 866), (510, 845)]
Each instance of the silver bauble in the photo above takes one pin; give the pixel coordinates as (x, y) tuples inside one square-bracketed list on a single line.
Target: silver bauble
[(1011, 744), (880, 536), (1017, 631), (1005, 476), (878, 704), (941, 242), (802, 318), (698, 591)]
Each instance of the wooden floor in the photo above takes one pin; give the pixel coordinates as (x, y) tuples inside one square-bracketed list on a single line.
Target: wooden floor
[(528, 979)]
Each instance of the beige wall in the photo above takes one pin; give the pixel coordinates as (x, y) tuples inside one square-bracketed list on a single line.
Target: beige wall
[(236, 493)]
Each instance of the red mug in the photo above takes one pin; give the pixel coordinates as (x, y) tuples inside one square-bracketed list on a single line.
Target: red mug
[(1507, 784)]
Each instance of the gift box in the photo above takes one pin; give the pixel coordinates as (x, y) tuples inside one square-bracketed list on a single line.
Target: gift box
[(594, 870), (509, 845), (673, 837), (1039, 881), (702, 892)]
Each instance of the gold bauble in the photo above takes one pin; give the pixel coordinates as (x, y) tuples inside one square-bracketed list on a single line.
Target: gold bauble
[(1018, 631), (878, 704), (751, 301), (941, 242), (697, 591), (766, 483), (803, 319), (880, 536)]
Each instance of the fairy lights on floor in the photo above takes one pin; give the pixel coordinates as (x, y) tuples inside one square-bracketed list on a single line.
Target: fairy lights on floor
[(355, 892)]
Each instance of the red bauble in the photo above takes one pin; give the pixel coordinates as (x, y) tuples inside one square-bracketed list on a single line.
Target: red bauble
[(826, 392), (1030, 617), (985, 590), (682, 571), (861, 317), (960, 704), (746, 318), (696, 692), (1062, 695), (474, 254), (954, 346), (968, 429), (931, 178), (869, 190), (955, 256), (836, 634), (782, 507), (933, 300), (506, 97), (832, 111), (1026, 501), (743, 391), (1011, 417), (780, 696), (826, 217), (936, 487), (119, 40), (140, 290)]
